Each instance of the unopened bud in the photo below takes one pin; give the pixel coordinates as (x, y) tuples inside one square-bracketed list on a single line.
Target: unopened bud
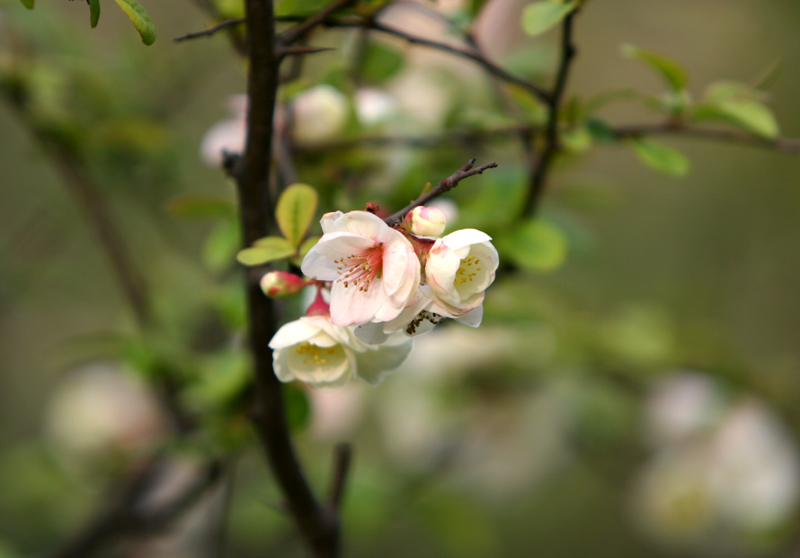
[(425, 221), (280, 284)]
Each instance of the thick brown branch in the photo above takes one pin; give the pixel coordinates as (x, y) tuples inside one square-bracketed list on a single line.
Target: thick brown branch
[(445, 185), (317, 524), (551, 140), (342, 459)]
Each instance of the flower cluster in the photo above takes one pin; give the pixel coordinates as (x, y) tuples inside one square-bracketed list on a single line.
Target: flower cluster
[(383, 285)]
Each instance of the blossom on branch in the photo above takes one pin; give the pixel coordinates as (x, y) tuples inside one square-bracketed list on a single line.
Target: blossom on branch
[(373, 268)]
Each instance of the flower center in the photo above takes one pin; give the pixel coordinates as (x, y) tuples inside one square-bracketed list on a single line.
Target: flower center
[(467, 270), (314, 355), (359, 270)]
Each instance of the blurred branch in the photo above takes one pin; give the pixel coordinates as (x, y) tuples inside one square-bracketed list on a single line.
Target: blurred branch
[(317, 524), (307, 24), (445, 185), (210, 30), (210, 8), (551, 139), (475, 56), (782, 144), (342, 458), (126, 517)]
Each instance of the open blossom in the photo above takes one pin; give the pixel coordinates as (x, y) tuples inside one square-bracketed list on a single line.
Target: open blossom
[(459, 268), (373, 268), (325, 356)]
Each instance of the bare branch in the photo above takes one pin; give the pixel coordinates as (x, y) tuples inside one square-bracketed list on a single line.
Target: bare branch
[(342, 458), (445, 185), (211, 30), (551, 140), (301, 30)]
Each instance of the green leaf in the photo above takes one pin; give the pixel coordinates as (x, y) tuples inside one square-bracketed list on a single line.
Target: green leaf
[(536, 245), (199, 207), (265, 250), (601, 132), (94, 12), (140, 19), (296, 208), (747, 114), (541, 16), (381, 61), (28, 4), (674, 74), (660, 157)]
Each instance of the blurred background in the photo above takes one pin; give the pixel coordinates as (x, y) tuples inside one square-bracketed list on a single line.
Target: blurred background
[(633, 388)]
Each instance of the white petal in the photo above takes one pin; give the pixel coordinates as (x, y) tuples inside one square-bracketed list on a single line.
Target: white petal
[(298, 331), (374, 365), (473, 318), (329, 220), (281, 367), (465, 237), (320, 262), (364, 223), (350, 306), (371, 333)]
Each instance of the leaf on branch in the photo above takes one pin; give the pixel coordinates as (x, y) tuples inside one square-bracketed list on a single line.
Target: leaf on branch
[(94, 12), (265, 250), (536, 245), (660, 157), (296, 208), (140, 19), (28, 4), (381, 61), (541, 16), (749, 115), (674, 74)]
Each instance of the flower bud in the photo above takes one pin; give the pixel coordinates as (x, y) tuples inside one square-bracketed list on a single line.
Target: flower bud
[(425, 221), (280, 284)]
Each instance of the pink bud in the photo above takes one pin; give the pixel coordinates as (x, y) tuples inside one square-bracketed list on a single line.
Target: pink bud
[(280, 284), (425, 221)]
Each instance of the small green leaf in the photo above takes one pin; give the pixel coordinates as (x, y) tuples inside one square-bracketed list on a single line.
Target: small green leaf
[(28, 4), (265, 250), (747, 114), (541, 16), (296, 208), (94, 12), (577, 139), (660, 157), (381, 61), (674, 74), (140, 19), (601, 132), (536, 245)]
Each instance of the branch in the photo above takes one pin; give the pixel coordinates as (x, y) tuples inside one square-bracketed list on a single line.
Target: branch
[(477, 57), (127, 518), (210, 30), (343, 457), (447, 184), (782, 144), (301, 30), (551, 146), (317, 524)]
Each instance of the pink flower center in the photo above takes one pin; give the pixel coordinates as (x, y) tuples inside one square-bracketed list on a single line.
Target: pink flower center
[(359, 270)]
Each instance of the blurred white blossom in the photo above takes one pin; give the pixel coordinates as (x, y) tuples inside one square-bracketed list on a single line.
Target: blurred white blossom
[(319, 114), (227, 136)]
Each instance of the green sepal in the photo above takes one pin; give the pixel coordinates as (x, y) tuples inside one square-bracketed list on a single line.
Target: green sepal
[(296, 208), (140, 19)]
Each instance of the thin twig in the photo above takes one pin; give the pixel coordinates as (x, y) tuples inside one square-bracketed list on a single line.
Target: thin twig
[(295, 50), (551, 140), (445, 185), (210, 30), (342, 458), (301, 30), (782, 144), (475, 56)]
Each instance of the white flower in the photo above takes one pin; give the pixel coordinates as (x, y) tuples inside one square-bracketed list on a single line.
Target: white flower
[(325, 356), (373, 267), (459, 268), (227, 136), (319, 114), (375, 106), (425, 221)]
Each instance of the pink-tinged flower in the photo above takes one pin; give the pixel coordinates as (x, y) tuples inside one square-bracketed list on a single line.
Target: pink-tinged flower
[(325, 356), (459, 268), (373, 268), (425, 221)]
